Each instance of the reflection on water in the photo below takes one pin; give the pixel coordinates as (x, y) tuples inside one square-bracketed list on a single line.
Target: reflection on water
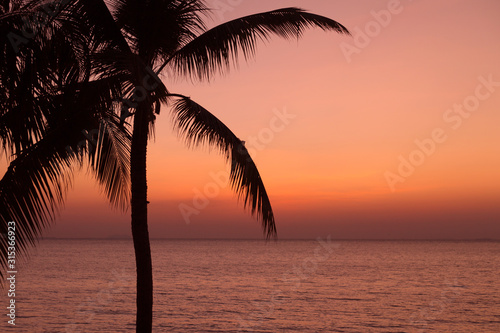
[(253, 286)]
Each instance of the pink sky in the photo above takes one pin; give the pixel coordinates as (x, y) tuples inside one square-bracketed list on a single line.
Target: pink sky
[(359, 105)]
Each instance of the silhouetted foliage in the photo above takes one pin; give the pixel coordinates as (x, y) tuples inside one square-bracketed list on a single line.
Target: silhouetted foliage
[(79, 86)]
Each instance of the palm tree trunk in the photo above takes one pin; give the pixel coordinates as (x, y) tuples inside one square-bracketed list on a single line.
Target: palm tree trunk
[(140, 232)]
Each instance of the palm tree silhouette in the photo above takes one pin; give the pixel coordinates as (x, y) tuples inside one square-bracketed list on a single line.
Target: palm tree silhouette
[(79, 85)]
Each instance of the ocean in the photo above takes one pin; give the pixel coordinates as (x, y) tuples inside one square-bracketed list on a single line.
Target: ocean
[(256, 286)]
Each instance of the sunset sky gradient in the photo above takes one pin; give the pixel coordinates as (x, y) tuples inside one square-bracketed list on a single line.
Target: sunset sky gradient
[(356, 116)]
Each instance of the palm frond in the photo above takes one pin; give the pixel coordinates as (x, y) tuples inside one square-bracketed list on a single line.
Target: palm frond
[(198, 126), (218, 48), (95, 16), (93, 117), (174, 22), (31, 191), (53, 91), (33, 188), (111, 161)]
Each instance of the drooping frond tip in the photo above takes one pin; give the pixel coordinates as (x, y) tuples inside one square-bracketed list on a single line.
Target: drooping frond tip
[(31, 191), (110, 161), (198, 126)]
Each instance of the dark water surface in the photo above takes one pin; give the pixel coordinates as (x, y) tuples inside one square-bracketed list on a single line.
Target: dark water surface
[(254, 286)]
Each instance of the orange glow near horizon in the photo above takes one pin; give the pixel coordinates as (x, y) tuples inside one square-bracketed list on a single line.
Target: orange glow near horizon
[(350, 119)]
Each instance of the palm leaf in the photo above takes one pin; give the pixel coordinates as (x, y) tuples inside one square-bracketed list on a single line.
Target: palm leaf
[(198, 126), (33, 188), (31, 191), (111, 161), (173, 22), (216, 49)]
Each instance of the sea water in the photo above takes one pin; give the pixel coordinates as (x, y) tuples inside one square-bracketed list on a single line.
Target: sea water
[(256, 286)]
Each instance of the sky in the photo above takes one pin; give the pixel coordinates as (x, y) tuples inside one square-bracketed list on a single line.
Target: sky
[(392, 133)]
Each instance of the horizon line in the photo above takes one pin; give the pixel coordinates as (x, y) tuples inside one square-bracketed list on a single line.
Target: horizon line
[(290, 239)]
